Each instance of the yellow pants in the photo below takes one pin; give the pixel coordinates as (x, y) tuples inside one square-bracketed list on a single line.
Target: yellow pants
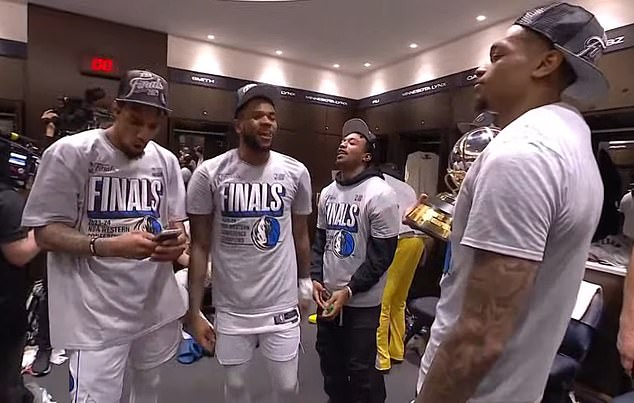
[(391, 331)]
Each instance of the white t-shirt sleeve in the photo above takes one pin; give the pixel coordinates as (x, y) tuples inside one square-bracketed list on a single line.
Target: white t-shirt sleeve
[(175, 191), (321, 213), (383, 214), (515, 199), (200, 199), (58, 188), (302, 203)]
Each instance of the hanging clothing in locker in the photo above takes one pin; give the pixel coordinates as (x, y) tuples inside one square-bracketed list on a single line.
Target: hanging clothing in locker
[(626, 207), (421, 172)]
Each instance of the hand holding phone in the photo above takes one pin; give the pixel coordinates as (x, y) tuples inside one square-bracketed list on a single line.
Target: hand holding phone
[(167, 234)]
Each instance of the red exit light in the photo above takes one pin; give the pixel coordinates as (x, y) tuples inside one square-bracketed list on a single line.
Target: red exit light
[(101, 65)]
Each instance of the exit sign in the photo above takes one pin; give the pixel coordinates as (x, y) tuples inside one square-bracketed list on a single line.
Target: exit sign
[(99, 65)]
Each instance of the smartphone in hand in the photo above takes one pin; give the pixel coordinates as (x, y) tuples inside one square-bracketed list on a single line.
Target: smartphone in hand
[(167, 234)]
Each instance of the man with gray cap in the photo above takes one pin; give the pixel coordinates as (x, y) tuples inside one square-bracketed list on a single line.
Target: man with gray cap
[(357, 232), (100, 200), (249, 207), (524, 218)]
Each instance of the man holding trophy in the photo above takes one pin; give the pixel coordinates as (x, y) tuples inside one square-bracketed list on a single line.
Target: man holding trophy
[(524, 217)]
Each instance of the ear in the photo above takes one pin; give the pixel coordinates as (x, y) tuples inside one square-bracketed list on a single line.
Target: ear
[(116, 108), (367, 158), (237, 126), (549, 63)]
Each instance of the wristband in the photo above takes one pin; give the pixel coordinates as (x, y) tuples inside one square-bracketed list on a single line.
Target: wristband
[(93, 250), (349, 291)]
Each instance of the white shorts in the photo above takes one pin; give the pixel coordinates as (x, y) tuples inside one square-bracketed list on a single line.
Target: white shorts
[(232, 349), (97, 375)]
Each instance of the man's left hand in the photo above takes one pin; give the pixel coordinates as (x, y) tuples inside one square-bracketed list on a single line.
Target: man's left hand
[(336, 303), (170, 250), (305, 293)]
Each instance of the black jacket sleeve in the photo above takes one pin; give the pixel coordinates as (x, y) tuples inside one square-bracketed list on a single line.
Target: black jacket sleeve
[(317, 262), (379, 255)]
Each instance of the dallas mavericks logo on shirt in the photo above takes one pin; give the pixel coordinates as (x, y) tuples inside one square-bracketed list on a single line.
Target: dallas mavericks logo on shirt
[(115, 198), (342, 218), (252, 200), (149, 224), (265, 233), (343, 244)]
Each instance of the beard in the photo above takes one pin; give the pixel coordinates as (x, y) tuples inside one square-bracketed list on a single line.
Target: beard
[(252, 142)]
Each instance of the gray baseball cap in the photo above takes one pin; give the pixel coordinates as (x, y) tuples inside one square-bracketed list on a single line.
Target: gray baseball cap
[(484, 119), (577, 34), (251, 91), (143, 87), (356, 125)]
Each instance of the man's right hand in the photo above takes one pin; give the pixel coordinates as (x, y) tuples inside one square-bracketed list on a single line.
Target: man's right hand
[(201, 330), (131, 245), (318, 290)]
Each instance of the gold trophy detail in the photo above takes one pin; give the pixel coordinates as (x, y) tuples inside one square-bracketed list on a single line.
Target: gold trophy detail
[(435, 216)]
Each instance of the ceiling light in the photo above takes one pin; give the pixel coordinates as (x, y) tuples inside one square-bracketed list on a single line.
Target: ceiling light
[(413, 45), (336, 65), (367, 64), (212, 37), (481, 18), (279, 52)]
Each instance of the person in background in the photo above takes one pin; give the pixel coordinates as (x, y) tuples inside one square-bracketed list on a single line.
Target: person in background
[(185, 162), (357, 231), (17, 249), (524, 218), (250, 207), (99, 200), (391, 331), (198, 150)]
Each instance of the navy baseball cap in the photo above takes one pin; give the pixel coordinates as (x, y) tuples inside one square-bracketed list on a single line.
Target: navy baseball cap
[(577, 34), (143, 87), (252, 91), (356, 125)]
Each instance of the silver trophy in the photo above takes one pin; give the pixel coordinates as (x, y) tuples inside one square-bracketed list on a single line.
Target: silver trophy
[(435, 215)]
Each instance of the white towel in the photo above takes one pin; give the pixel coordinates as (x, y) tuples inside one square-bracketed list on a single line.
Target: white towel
[(584, 297)]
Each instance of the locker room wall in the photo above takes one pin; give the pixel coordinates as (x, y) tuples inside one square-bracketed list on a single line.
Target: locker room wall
[(56, 42)]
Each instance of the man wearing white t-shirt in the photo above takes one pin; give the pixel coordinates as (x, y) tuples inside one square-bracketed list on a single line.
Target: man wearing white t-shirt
[(98, 202), (524, 218), (355, 241), (249, 207)]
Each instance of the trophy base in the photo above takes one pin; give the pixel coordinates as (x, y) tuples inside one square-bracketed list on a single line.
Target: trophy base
[(434, 217)]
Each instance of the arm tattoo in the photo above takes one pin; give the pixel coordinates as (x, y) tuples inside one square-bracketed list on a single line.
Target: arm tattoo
[(59, 237), (497, 292)]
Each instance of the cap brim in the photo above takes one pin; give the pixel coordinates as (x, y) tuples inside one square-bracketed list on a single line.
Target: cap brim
[(591, 83), (466, 127), (260, 91), (132, 101)]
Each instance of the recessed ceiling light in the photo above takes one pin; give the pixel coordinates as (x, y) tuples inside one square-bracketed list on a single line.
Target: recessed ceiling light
[(367, 64), (481, 18), (279, 52), (413, 45), (212, 37), (336, 65)]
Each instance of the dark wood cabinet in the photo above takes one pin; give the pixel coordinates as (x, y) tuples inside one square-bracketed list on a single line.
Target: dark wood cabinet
[(618, 67), (463, 105), (12, 78), (425, 113), (200, 103), (335, 118), (310, 118), (380, 119)]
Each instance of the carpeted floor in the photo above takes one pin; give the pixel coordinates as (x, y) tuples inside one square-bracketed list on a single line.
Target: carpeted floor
[(203, 381)]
